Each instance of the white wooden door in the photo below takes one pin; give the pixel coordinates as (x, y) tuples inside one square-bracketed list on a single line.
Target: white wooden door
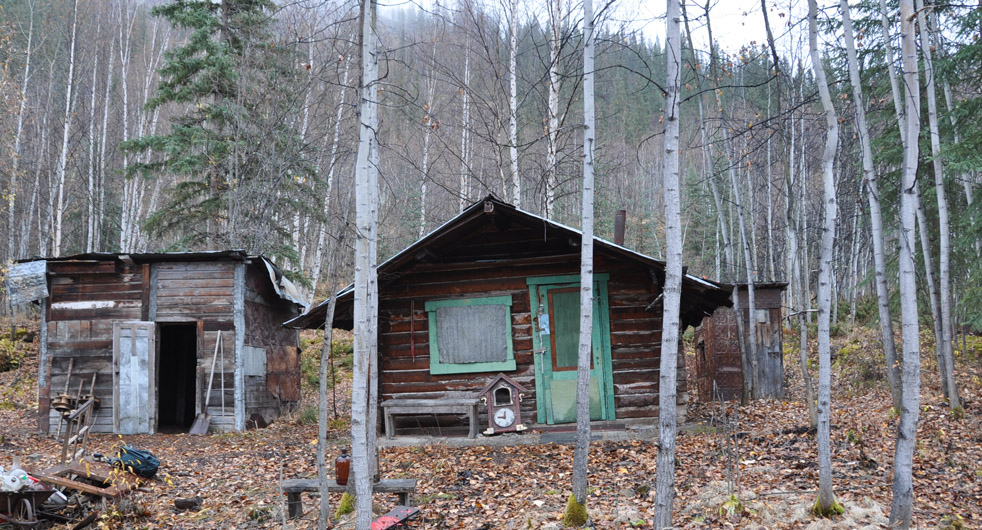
[(134, 378)]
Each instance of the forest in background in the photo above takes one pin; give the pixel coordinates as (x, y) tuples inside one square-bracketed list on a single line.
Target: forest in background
[(105, 152)]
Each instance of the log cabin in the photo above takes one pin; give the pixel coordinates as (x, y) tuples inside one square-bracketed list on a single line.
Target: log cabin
[(717, 368), (142, 330), (496, 290)]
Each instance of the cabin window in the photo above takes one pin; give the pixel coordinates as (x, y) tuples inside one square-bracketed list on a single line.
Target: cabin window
[(470, 335)]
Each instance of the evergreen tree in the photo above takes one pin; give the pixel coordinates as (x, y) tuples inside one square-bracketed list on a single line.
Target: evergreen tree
[(239, 166)]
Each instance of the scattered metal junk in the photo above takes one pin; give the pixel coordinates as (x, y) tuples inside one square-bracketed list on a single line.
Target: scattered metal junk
[(61, 494), (66, 493)]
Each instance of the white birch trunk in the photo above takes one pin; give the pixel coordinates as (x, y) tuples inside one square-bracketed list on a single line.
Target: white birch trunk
[(331, 163), (66, 131), (927, 254), (750, 338), (464, 132), (770, 199), (876, 224), (28, 218), (90, 196), (791, 259), (901, 509), (18, 136), (581, 451), (516, 181), (826, 497), (365, 274), (552, 147), (428, 126), (324, 512), (944, 250), (672, 291), (301, 243), (125, 48), (852, 282), (102, 145), (724, 230)]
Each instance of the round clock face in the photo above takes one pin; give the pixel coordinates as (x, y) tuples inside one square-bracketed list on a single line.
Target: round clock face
[(504, 417)]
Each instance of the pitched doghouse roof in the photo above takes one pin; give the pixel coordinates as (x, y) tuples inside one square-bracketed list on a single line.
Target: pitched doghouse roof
[(699, 297)]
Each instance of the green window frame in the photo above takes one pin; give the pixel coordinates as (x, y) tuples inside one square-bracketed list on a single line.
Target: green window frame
[(439, 367)]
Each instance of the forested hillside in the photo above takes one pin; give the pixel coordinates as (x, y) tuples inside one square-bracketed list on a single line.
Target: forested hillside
[(119, 137)]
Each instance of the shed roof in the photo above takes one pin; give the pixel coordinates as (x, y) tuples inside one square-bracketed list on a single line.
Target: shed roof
[(284, 288), (699, 297)]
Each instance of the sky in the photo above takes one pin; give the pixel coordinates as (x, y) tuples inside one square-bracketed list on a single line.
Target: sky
[(735, 22)]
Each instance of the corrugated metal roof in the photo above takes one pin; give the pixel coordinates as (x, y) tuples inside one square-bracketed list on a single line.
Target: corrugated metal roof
[(284, 288), (148, 257)]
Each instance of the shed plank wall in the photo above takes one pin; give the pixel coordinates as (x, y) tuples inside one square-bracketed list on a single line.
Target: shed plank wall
[(83, 301), (85, 298), (265, 312)]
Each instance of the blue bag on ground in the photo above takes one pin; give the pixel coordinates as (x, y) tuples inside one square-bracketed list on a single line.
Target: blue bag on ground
[(137, 461)]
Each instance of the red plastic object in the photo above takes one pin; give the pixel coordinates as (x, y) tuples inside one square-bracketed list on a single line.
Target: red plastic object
[(395, 517)]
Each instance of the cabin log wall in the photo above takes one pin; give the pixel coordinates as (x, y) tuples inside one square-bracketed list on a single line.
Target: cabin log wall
[(517, 255)]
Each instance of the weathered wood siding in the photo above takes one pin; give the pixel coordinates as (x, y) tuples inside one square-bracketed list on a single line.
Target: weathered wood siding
[(201, 292), (717, 357), (717, 346), (518, 254), (279, 387), (87, 296), (84, 300)]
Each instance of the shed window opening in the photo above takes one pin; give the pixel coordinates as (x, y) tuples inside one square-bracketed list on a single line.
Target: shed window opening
[(502, 397), (470, 335)]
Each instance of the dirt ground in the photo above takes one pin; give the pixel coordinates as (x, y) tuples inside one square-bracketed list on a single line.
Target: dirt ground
[(525, 487)]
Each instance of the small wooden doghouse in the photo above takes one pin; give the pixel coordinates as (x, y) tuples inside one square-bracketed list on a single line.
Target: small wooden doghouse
[(497, 289), (717, 348), (146, 326)]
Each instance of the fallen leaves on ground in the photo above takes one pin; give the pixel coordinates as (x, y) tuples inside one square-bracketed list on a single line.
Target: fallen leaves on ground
[(236, 474)]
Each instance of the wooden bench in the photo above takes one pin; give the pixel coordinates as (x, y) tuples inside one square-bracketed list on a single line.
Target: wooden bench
[(294, 487), (466, 406)]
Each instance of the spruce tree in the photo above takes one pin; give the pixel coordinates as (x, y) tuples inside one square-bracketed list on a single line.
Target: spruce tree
[(239, 168)]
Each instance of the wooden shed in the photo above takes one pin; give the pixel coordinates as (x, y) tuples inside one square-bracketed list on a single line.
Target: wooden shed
[(496, 290), (717, 348), (146, 327)]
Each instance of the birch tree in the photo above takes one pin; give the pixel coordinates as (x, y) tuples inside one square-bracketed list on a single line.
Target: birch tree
[(672, 291), (66, 131), (944, 233), (555, 8), (576, 510), (18, 135), (324, 513), (749, 340), (516, 180), (464, 131), (366, 220), (322, 225), (722, 222), (826, 503), (901, 509), (876, 217)]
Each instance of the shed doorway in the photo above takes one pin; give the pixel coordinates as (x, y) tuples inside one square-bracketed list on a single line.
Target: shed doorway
[(177, 376)]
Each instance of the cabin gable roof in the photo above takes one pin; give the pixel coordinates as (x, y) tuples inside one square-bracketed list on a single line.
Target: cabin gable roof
[(472, 237)]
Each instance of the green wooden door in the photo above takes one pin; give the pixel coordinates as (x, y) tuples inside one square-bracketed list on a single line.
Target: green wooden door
[(556, 304)]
